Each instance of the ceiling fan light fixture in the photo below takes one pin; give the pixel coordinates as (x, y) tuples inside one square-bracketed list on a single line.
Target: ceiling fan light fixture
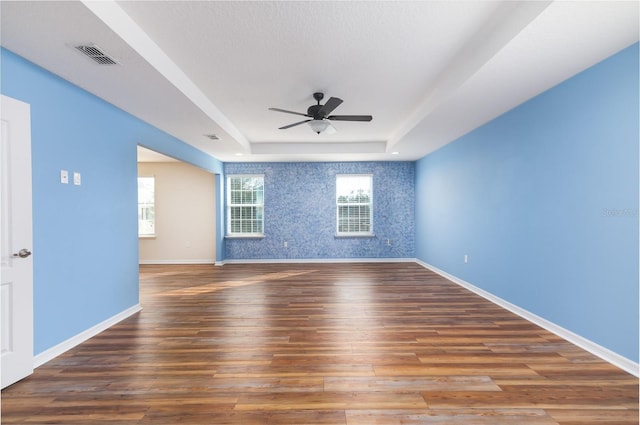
[(330, 129), (319, 116), (320, 126)]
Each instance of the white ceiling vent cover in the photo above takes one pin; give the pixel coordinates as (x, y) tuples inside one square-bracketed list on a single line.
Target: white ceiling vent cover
[(96, 54)]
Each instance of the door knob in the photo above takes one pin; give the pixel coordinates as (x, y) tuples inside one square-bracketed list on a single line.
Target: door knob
[(23, 253)]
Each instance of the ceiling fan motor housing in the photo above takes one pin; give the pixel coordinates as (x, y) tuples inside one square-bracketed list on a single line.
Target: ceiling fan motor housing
[(313, 112), (314, 109)]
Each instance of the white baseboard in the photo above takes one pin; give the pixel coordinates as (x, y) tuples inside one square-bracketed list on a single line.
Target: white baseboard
[(584, 343), (320, 260), (196, 261), (64, 346)]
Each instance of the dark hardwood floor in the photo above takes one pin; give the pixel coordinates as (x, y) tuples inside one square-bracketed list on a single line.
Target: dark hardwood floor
[(356, 344)]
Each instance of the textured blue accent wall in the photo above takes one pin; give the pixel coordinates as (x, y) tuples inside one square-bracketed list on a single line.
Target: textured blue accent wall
[(544, 201), (300, 209), (85, 247)]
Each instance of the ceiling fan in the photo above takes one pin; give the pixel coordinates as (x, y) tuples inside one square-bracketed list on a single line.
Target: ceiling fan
[(319, 114)]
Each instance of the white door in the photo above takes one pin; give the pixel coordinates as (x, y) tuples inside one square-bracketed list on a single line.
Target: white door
[(16, 295)]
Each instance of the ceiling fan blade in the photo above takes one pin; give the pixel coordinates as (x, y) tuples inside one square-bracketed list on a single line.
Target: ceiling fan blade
[(293, 125), (331, 104), (350, 117), (289, 112)]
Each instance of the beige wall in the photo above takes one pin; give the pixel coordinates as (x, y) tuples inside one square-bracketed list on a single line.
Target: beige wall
[(185, 214)]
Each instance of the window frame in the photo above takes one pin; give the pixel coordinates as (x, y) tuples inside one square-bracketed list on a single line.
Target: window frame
[(230, 205), (368, 233), (153, 204)]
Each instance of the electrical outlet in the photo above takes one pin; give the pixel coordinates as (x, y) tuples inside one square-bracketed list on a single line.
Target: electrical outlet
[(64, 177), (466, 258), (286, 244), (389, 242)]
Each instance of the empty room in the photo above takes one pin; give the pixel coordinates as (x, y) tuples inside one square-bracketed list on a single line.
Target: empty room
[(320, 212)]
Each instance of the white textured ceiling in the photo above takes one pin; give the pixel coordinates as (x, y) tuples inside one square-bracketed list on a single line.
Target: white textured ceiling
[(427, 71)]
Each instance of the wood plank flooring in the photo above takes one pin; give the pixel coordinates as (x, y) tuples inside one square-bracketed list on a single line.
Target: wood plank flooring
[(348, 344)]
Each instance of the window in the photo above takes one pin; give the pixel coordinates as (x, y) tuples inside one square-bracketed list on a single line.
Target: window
[(354, 204), (245, 205), (146, 206)]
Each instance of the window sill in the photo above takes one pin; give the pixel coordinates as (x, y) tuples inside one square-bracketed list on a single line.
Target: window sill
[(257, 236), (146, 236), (355, 235)]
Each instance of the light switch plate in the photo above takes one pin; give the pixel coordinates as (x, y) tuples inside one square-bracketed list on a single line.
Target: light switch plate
[(64, 177), (77, 179)]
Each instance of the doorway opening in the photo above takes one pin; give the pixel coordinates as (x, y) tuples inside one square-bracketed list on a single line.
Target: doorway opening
[(176, 211)]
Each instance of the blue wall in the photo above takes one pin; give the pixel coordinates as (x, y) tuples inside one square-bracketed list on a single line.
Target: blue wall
[(544, 201), (300, 209), (85, 248)]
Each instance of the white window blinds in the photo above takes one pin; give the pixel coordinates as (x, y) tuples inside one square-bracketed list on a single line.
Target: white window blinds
[(245, 205), (354, 204)]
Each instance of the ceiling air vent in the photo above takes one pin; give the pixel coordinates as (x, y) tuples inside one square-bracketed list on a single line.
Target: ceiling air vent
[(212, 136), (96, 54)]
